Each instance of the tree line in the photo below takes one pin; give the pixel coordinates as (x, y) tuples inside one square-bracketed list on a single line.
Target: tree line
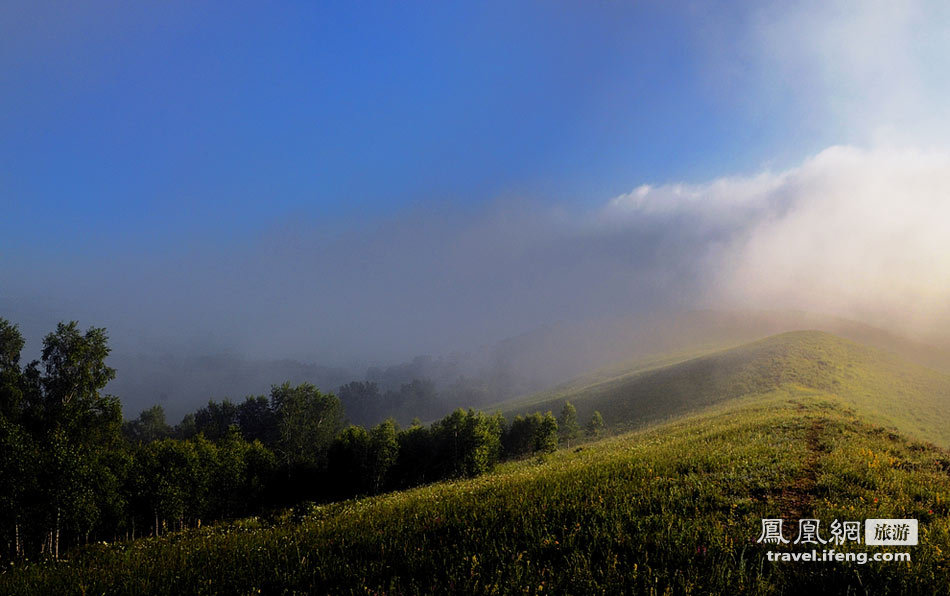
[(71, 471)]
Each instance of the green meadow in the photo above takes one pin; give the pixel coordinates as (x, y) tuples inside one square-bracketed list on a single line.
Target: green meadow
[(882, 386), (794, 426)]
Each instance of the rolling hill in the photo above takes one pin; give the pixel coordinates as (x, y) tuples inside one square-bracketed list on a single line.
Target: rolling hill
[(797, 425), (880, 385)]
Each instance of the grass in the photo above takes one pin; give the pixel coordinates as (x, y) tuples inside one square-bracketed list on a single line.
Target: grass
[(671, 509), (627, 369), (797, 425), (881, 386)]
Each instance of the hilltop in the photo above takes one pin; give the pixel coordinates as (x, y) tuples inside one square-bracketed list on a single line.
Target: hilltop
[(880, 385)]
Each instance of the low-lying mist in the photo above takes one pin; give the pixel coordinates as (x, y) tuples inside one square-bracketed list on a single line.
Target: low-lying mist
[(516, 294)]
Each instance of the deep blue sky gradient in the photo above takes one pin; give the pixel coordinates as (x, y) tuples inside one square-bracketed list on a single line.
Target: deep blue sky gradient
[(140, 128)]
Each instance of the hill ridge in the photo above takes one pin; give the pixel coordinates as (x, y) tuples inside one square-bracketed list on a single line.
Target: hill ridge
[(883, 386), (621, 515)]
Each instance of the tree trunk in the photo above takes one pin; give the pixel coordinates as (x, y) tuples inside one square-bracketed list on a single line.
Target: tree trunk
[(56, 554)]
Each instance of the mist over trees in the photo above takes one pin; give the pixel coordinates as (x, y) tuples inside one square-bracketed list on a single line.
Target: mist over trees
[(517, 366), (423, 387), (72, 472)]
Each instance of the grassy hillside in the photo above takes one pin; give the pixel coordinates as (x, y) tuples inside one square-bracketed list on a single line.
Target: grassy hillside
[(881, 386), (621, 344), (671, 509), (798, 425)]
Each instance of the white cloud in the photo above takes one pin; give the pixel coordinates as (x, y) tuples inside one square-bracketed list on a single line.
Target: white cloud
[(864, 233), (711, 197)]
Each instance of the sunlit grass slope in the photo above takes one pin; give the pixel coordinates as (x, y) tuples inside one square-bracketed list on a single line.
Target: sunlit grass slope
[(882, 386), (798, 425), (671, 509)]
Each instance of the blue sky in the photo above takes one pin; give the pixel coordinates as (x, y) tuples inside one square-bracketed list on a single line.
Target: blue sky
[(145, 126), (361, 180)]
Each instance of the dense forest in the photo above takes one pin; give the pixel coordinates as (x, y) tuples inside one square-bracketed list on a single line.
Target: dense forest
[(72, 472)]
